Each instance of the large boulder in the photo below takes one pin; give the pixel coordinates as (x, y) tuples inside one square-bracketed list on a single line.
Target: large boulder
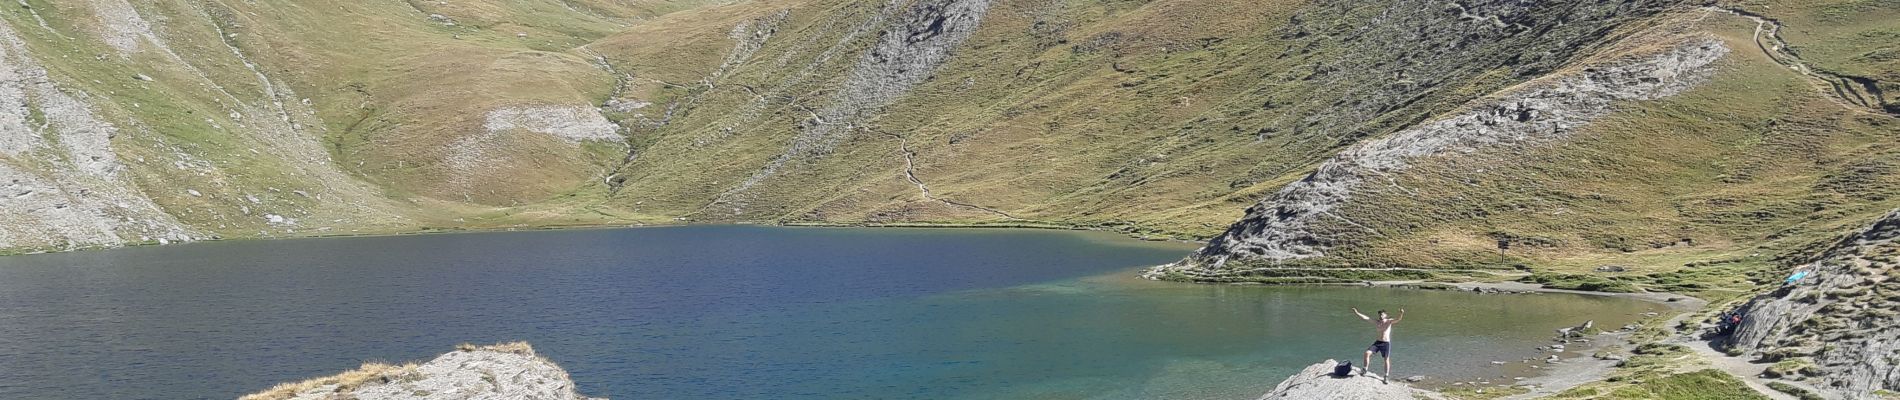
[(1317, 382), (1840, 317), (502, 371)]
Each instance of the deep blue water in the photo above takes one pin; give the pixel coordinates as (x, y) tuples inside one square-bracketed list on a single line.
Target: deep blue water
[(719, 312)]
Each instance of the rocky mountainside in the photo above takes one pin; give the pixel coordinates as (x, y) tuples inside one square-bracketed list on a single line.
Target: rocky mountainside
[(1292, 224), (502, 371), (1696, 140), (1688, 146), (1395, 134), (1399, 133), (1835, 327)]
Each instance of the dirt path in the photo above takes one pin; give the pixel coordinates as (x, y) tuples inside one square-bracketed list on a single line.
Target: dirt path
[(1578, 371), (1749, 372), (1565, 377), (1580, 367), (1857, 93), (910, 172), (1671, 299)]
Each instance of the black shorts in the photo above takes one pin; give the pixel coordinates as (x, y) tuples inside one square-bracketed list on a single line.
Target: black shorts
[(1384, 348)]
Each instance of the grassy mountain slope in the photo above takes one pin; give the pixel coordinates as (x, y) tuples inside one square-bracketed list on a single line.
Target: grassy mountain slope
[(239, 119), (1163, 118), (1682, 146), (1754, 163), (1753, 159), (1850, 44), (1104, 114)]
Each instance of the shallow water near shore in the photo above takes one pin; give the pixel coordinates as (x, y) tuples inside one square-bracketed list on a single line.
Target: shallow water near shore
[(727, 312)]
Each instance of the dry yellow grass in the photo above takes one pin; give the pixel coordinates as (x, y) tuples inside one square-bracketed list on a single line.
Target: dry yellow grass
[(521, 348), (343, 383)]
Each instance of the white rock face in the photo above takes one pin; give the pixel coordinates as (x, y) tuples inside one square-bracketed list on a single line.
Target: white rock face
[(908, 51), (1285, 225), (1316, 382), (60, 181), (471, 155), (124, 28), (748, 37), (62, 141), (574, 124), (16, 74), (510, 371)]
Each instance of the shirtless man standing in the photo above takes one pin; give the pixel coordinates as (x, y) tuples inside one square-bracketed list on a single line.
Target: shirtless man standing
[(1383, 345)]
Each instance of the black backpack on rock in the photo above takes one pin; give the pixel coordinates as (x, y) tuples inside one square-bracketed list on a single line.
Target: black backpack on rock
[(1344, 369)]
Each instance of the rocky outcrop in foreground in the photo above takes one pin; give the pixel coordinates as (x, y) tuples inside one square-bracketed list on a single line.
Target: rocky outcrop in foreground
[(1317, 382), (1835, 328), (502, 371)]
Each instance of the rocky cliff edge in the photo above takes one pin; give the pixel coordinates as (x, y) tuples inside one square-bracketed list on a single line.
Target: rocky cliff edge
[(502, 371)]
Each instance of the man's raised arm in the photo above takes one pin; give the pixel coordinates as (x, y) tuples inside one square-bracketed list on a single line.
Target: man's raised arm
[(1355, 311), (1401, 316)]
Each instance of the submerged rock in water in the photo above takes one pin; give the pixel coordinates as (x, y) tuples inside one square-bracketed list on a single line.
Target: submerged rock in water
[(502, 371), (1317, 382)]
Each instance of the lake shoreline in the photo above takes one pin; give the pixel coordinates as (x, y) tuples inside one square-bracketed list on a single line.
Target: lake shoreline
[(1666, 298), (584, 227), (1579, 365), (745, 302), (1477, 368)]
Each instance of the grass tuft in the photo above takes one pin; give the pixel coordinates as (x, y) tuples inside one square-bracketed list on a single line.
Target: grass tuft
[(339, 383), (1706, 384)]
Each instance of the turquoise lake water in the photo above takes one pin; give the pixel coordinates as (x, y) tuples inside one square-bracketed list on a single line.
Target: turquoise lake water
[(706, 312)]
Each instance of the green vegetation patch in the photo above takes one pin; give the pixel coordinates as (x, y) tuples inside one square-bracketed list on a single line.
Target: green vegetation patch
[(1792, 368), (1706, 384), (1795, 391), (1476, 393)]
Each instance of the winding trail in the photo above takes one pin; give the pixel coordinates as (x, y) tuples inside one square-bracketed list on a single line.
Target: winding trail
[(1852, 92), (1749, 373), (910, 172)]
